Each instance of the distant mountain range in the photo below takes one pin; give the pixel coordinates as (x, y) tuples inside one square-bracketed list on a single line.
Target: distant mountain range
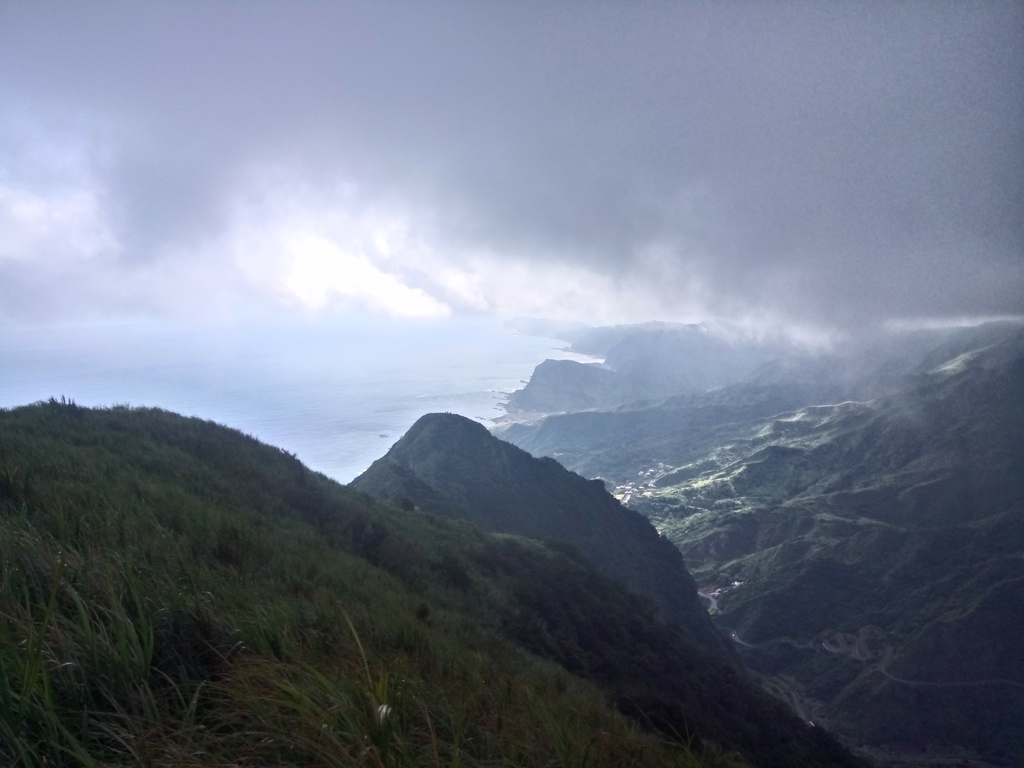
[(647, 361), (856, 520)]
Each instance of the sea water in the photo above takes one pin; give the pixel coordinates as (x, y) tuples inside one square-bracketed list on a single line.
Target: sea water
[(338, 393)]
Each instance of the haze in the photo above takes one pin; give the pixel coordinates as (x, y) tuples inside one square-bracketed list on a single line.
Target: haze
[(814, 167)]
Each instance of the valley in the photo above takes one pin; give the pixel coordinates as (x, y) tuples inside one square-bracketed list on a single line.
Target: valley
[(856, 528)]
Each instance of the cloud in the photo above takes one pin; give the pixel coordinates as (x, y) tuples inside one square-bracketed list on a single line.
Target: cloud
[(318, 270), (319, 247), (803, 164), (68, 225)]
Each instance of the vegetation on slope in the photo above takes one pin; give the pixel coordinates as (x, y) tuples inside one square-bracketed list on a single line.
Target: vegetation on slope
[(901, 519), (870, 554), (667, 674), (450, 465), (173, 592)]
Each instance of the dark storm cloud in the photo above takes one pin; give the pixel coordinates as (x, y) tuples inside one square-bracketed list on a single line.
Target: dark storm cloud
[(822, 163)]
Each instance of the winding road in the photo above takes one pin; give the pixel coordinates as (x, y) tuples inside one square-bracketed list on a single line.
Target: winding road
[(882, 666), (933, 684)]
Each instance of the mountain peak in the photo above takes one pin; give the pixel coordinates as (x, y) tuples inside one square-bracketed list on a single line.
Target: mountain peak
[(450, 426), (452, 466)]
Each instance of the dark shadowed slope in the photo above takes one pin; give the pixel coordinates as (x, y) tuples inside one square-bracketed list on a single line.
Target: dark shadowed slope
[(899, 521), (869, 551), (565, 385), (451, 465)]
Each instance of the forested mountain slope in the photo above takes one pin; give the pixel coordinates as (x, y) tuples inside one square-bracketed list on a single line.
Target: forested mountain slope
[(868, 553), (898, 521), (174, 592)]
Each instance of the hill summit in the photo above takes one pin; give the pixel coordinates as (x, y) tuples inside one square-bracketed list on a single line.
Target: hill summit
[(450, 465)]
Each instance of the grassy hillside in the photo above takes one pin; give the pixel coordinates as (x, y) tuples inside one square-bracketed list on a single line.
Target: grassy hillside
[(173, 592)]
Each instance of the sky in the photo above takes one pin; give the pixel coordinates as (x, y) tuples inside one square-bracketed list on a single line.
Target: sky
[(806, 166)]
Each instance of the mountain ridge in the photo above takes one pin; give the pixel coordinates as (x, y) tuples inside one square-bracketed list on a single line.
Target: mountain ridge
[(448, 464)]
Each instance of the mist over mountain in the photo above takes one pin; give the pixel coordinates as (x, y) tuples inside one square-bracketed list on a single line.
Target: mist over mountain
[(855, 520), (641, 362)]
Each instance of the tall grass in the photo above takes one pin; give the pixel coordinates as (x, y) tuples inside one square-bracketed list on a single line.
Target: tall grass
[(155, 612)]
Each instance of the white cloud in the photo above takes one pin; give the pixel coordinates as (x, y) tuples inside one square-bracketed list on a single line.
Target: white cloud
[(63, 226), (321, 247), (319, 271), (289, 243)]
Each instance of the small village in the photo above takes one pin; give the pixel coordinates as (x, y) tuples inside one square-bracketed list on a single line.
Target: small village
[(643, 485)]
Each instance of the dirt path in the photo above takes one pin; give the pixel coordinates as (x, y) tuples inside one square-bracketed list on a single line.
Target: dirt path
[(787, 640)]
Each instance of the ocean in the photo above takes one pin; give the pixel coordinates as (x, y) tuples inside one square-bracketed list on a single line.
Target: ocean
[(338, 393)]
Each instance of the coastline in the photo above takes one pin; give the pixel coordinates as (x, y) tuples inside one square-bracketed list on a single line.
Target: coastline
[(513, 415)]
